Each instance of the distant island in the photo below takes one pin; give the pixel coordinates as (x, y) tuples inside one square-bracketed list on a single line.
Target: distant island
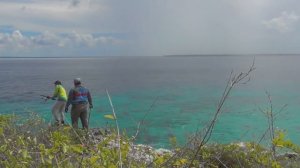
[(224, 55)]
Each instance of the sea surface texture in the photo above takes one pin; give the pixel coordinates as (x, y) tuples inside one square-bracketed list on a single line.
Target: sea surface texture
[(169, 96)]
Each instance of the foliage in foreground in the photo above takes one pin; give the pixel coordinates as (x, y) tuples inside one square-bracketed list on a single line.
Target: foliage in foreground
[(34, 144)]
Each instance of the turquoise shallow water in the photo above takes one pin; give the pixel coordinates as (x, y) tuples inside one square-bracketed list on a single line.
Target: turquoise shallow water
[(181, 112), (185, 91)]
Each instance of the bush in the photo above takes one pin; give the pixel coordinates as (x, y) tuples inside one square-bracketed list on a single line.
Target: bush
[(31, 143)]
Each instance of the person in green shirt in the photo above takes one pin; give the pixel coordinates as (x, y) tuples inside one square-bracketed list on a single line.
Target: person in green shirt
[(61, 100)]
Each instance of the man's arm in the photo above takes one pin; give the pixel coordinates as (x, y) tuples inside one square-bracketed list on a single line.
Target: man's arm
[(70, 98), (55, 94), (90, 99)]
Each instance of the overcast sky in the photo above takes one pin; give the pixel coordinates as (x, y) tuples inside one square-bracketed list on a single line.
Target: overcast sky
[(148, 27)]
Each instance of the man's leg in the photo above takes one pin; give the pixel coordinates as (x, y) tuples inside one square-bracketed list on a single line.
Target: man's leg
[(55, 112), (75, 113), (62, 106), (83, 116)]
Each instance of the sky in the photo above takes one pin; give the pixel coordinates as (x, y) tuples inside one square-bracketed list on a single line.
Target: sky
[(63, 28)]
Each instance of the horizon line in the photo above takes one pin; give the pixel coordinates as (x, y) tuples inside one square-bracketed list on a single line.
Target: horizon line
[(168, 55)]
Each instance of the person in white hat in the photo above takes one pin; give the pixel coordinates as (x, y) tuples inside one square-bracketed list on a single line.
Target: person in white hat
[(81, 100)]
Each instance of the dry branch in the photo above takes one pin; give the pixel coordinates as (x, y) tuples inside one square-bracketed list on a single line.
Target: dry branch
[(232, 82), (117, 125)]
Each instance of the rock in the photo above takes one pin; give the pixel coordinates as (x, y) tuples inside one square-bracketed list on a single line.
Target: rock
[(291, 155), (162, 151), (138, 152)]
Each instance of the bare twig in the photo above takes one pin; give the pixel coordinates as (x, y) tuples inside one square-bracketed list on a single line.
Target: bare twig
[(73, 129), (271, 116), (240, 164), (143, 119), (118, 131), (56, 161), (280, 111), (221, 162), (233, 80)]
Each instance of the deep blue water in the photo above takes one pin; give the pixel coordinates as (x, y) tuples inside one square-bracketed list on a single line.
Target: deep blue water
[(185, 92)]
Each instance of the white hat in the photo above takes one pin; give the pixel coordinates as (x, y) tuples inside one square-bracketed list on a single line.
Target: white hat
[(77, 80)]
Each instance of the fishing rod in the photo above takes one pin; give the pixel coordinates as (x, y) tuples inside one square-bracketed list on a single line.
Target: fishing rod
[(48, 97), (45, 98)]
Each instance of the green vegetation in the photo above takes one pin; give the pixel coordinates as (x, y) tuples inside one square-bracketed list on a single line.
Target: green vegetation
[(34, 144)]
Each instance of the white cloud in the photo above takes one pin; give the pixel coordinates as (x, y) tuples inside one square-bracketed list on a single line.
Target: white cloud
[(284, 23), (47, 39), (17, 40)]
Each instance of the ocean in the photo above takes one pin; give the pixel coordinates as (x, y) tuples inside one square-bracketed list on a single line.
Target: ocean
[(174, 96)]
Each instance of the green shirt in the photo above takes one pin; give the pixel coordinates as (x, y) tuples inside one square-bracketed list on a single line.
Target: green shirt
[(60, 93)]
